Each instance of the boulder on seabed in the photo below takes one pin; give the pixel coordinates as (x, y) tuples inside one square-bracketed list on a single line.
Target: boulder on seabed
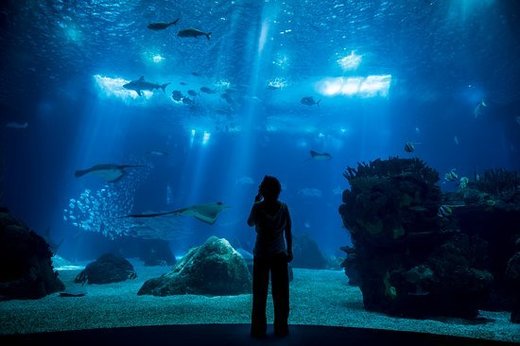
[(108, 268), (26, 270), (307, 254), (214, 268)]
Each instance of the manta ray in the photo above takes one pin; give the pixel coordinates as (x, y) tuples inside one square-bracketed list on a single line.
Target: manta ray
[(203, 212), (108, 171)]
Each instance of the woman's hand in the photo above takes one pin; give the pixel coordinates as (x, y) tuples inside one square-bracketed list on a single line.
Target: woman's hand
[(258, 197)]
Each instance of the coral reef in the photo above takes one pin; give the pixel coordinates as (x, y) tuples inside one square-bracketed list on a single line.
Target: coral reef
[(26, 270), (214, 268), (106, 269), (489, 207), (390, 201), (408, 257)]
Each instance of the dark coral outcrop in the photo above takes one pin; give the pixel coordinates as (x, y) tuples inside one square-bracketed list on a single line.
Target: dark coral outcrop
[(26, 270), (407, 257)]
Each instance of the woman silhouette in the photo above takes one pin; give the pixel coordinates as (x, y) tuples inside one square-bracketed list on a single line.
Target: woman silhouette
[(272, 253)]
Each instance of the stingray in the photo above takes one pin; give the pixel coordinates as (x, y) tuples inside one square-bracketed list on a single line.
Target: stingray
[(203, 212), (108, 171)]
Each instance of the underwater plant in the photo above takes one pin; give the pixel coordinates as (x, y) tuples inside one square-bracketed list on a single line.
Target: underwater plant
[(499, 181)]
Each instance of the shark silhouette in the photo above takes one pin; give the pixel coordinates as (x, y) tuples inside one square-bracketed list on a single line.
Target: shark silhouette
[(139, 85)]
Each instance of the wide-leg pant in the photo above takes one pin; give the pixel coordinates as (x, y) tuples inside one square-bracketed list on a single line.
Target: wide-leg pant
[(278, 267)]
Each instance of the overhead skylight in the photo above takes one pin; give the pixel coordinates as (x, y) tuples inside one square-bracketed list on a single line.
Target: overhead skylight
[(350, 62), (371, 86), (157, 58)]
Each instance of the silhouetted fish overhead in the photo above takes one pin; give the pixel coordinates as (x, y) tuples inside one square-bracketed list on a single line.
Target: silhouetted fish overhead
[(161, 26), (108, 171), (320, 156), (207, 90), (409, 147), (309, 101), (17, 125), (139, 85), (203, 212), (192, 32)]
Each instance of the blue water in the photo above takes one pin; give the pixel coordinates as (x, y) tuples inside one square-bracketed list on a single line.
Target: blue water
[(63, 64)]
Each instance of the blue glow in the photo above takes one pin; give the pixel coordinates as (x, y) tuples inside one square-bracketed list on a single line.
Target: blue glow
[(206, 137), (157, 58), (350, 62), (371, 86)]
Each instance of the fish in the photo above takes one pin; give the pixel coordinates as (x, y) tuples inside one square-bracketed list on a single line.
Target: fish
[(183, 83), (309, 101), (161, 26), (16, 125), (192, 32), (206, 213), (320, 156), (196, 74), (157, 153), (139, 85), (187, 101), (207, 90), (409, 147), (517, 119), (479, 109), (451, 175), (108, 171), (177, 95), (463, 183), (310, 192), (227, 97), (456, 140), (192, 93), (444, 211)]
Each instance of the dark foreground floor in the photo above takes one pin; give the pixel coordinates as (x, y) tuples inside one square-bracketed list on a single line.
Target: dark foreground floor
[(237, 334)]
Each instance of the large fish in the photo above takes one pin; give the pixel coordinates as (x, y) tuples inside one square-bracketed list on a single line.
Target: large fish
[(192, 32), (139, 85), (309, 101), (161, 26), (108, 171), (16, 125), (203, 212), (320, 156)]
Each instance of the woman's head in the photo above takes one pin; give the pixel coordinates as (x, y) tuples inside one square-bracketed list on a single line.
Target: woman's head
[(270, 188)]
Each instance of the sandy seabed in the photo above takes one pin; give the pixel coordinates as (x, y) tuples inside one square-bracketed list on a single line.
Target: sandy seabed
[(318, 297)]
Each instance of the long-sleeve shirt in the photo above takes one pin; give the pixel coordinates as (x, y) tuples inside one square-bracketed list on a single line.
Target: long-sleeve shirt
[(270, 226)]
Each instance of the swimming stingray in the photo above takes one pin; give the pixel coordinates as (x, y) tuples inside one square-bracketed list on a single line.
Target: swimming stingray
[(203, 212), (108, 171)]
